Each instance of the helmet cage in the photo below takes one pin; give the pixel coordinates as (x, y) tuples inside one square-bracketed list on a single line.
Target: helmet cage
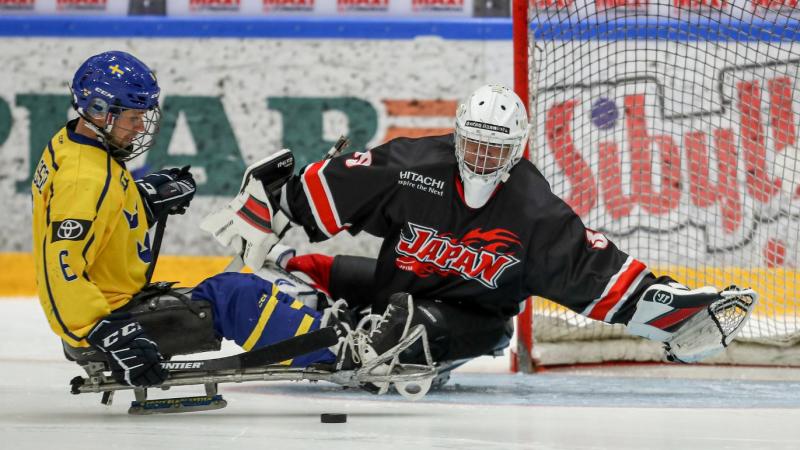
[(99, 110), (486, 157)]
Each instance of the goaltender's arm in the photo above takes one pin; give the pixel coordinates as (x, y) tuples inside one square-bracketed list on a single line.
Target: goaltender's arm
[(66, 236), (349, 192)]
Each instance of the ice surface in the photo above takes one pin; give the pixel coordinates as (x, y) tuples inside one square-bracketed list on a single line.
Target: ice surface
[(618, 408)]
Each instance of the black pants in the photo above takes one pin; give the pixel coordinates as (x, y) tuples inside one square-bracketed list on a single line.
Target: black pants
[(456, 332)]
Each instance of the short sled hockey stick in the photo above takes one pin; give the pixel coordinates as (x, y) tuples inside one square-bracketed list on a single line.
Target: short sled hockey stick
[(265, 356)]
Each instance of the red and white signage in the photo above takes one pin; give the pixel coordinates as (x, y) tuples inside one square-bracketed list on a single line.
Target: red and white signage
[(419, 6), (700, 4), (17, 5), (557, 5), (214, 5), (81, 5), (344, 6), (774, 5), (288, 6), (620, 5)]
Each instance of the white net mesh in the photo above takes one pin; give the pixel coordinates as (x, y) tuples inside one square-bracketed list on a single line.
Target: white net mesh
[(672, 127)]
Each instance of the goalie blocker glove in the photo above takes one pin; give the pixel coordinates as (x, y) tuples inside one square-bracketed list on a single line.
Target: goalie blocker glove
[(167, 191), (253, 223), (133, 358)]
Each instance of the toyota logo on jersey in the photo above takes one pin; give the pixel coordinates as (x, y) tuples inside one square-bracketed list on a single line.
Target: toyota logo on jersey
[(482, 256), (70, 230)]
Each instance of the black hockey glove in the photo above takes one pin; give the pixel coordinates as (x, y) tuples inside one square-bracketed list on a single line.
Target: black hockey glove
[(134, 359), (167, 191)]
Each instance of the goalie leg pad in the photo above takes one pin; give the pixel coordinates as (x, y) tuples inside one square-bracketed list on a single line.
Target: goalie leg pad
[(252, 223), (254, 313)]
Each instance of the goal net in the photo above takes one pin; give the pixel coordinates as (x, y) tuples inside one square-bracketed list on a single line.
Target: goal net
[(671, 126)]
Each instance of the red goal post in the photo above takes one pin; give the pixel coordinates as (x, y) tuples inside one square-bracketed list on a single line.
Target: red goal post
[(672, 127)]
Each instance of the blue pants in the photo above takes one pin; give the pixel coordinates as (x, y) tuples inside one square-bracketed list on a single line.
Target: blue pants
[(254, 313)]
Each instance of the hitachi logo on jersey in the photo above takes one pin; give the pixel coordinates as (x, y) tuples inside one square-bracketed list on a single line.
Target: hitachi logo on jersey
[(422, 179), (476, 256)]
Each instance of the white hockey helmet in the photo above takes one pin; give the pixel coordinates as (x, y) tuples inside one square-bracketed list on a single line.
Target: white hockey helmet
[(491, 131)]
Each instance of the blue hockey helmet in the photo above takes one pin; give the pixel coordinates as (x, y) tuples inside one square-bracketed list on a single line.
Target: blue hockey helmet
[(105, 86)]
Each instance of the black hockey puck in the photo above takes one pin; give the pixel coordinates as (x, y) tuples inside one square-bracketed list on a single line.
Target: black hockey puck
[(333, 418)]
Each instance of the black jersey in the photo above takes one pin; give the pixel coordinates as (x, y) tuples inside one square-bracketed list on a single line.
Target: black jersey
[(524, 241)]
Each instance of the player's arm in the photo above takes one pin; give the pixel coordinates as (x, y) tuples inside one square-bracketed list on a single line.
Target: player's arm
[(583, 270), (345, 193)]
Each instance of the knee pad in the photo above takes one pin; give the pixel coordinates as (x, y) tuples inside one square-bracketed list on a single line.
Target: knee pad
[(178, 324)]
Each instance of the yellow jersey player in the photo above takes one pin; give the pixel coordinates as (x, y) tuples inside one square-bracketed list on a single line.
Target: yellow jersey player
[(93, 252), (91, 245)]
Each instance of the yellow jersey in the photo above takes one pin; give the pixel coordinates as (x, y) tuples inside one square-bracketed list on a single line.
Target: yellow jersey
[(91, 246)]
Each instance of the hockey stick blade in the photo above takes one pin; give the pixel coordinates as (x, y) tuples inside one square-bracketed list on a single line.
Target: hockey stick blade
[(271, 354)]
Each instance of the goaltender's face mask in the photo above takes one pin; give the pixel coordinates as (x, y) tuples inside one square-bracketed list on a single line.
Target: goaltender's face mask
[(490, 134), (483, 158)]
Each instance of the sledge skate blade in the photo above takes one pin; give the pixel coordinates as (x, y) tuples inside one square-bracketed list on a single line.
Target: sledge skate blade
[(177, 405)]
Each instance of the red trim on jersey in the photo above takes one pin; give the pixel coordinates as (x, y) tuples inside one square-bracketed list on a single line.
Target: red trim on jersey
[(617, 291), (319, 201), (671, 319)]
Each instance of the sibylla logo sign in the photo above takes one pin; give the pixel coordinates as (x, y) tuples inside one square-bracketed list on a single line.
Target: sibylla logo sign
[(724, 181), (17, 5), (288, 5), (479, 255), (362, 5)]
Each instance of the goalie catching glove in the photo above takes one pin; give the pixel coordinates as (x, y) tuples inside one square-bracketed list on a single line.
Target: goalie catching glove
[(134, 359), (252, 223), (692, 324)]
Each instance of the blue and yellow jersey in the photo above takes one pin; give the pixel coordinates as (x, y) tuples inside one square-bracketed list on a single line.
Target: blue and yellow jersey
[(90, 243)]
